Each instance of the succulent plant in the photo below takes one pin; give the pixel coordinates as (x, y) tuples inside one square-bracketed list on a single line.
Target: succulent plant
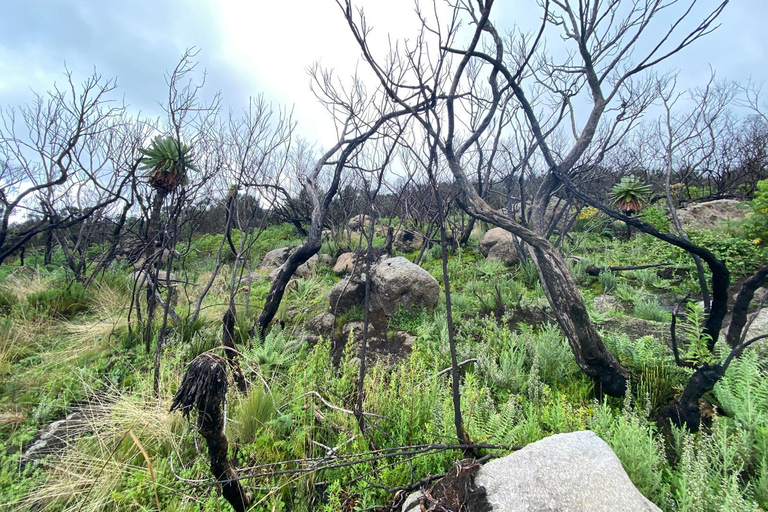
[(168, 161), (630, 194)]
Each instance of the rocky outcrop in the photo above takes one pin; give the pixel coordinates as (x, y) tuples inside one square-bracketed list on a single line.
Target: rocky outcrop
[(408, 241), (397, 282), (577, 472), (706, 215)]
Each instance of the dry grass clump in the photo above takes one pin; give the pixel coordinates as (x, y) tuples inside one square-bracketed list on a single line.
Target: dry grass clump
[(110, 313), (130, 434)]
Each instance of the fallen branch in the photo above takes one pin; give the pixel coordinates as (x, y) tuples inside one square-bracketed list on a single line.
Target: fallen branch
[(458, 365), (595, 271)]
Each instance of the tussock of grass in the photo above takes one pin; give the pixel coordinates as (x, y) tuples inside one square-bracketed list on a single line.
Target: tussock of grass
[(107, 470)]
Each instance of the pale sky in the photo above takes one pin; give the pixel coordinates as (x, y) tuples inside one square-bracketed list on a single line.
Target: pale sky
[(265, 47)]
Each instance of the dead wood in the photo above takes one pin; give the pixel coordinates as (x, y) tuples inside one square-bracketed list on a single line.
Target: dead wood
[(204, 388), (456, 491)]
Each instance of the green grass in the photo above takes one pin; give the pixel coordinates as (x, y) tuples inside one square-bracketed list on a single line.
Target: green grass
[(523, 385)]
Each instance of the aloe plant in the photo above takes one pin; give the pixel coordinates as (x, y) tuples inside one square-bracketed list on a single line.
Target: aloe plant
[(168, 160), (630, 194)]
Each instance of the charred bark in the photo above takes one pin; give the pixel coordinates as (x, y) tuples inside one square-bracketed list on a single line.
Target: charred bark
[(685, 409), (204, 389), (302, 253), (228, 340)]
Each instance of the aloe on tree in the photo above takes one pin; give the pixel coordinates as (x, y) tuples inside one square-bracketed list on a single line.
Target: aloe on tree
[(169, 161)]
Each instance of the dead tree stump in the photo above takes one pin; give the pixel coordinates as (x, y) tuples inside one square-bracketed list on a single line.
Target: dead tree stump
[(204, 388)]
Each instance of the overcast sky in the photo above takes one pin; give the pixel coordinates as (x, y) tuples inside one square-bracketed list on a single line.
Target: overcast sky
[(264, 47)]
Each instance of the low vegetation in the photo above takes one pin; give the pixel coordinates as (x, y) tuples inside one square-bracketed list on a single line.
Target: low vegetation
[(293, 438)]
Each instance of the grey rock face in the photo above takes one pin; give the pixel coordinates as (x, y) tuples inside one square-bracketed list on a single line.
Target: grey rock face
[(504, 252), (575, 472), (493, 237), (397, 281), (408, 241)]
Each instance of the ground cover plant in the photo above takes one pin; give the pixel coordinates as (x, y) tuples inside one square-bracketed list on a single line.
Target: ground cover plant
[(522, 386), (205, 312)]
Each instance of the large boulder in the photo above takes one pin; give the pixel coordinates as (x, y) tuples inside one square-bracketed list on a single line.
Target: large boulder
[(273, 259), (706, 215), (397, 281), (504, 252), (575, 472), (408, 241), (347, 293), (493, 237)]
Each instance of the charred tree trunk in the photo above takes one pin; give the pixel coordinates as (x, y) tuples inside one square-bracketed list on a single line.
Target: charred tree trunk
[(561, 290), (204, 388), (48, 247), (228, 340), (564, 297), (685, 409), (302, 253)]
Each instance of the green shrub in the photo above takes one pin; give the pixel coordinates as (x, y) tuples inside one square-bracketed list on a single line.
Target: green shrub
[(607, 280), (757, 225), (656, 217), (64, 302), (648, 308)]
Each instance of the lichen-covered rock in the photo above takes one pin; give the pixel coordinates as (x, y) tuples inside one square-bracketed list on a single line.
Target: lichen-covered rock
[(577, 472), (397, 281), (493, 237), (504, 252)]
